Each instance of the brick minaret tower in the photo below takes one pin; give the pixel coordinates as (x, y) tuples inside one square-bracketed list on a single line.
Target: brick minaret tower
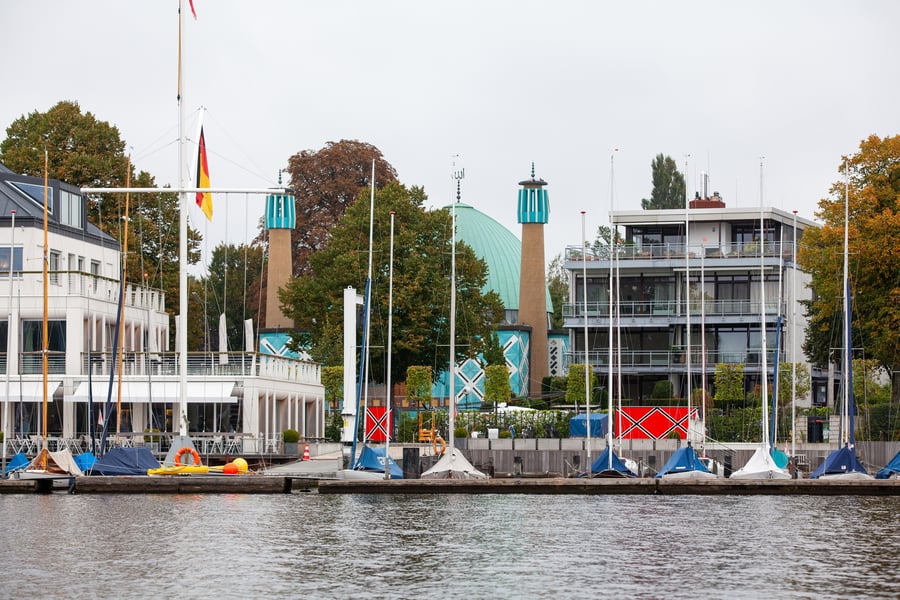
[(534, 209)]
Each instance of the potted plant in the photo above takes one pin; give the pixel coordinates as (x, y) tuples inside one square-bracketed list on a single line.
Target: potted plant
[(290, 437)]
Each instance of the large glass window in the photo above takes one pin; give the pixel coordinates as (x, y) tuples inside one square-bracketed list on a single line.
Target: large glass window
[(36, 193), (70, 209), (16, 261), (32, 345)]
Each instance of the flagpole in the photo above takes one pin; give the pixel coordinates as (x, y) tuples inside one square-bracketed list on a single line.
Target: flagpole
[(182, 243)]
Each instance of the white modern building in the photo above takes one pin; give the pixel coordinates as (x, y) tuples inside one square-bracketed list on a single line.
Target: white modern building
[(722, 261), (242, 400)]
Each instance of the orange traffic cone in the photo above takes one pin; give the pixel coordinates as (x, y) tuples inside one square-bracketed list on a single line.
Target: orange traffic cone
[(306, 452)]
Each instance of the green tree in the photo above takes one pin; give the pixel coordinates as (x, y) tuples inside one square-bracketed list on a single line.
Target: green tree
[(325, 183), (729, 382), (87, 152), (785, 375), (873, 183), (225, 289), (668, 185), (496, 384), (575, 385), (333, 382), (558, 284), (421, 291), (493, 352), (418, 385)]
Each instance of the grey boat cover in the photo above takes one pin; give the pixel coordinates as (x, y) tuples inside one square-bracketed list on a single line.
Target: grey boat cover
[(125, 461)]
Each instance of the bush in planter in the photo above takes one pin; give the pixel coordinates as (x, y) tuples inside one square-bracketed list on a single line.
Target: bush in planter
[(460, 432), (290, 436)]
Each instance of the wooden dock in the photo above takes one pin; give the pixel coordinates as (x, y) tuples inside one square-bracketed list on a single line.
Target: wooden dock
[(266, 484)]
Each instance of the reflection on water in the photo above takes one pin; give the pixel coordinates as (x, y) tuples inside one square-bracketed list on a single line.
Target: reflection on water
[(471, 546)]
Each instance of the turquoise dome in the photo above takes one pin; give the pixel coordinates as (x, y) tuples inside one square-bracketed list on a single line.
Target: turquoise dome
[(498, 247)]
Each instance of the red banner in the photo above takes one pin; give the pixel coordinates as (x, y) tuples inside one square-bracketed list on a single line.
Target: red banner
[(378, 423), (653, 422)]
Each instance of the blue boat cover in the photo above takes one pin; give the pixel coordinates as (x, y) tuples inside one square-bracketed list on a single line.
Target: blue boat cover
[(85, 461), (842, 460), (125, 461), (372, 459), (578, 425), (17, 463), (892, 468), (682, 461), (601, 465)]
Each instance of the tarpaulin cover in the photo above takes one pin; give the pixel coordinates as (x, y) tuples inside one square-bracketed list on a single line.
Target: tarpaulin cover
[(684, 460), (578, 425), (892, 468), (601, 465), (372, 459), (842, 460), (125, 461)]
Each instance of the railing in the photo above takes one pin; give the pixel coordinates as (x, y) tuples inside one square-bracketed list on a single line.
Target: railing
[(676, 250), (244, 364), (86, 285), (672, 359), (712, 308)]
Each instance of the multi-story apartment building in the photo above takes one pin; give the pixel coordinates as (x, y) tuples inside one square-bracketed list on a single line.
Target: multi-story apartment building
[(727, 255)]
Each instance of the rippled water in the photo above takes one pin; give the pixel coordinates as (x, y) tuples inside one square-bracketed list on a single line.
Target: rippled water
[(481, 546)]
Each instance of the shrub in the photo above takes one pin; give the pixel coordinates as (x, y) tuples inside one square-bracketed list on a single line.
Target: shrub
[(662, 390), (290, 436), (460, 432)]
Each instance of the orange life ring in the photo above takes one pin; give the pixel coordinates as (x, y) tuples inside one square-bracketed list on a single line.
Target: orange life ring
[(185, 450), (438, 441)]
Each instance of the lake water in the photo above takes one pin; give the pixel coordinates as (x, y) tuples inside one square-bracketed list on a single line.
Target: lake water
[(461, 546)]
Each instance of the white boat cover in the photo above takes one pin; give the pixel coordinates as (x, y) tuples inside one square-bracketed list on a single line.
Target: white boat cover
[(58, 463), (453, 465), (761, 466)]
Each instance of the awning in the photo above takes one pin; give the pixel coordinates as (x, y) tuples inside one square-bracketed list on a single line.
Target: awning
[(198, 392), (31, 391)]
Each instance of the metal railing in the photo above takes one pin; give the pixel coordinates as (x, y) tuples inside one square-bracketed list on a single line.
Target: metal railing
[(676, 250), (712, 308), (671, 359), (244, 364)]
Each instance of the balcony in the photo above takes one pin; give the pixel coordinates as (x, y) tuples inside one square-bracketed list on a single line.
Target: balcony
[(649, 252), (673, 360), (712, 308)]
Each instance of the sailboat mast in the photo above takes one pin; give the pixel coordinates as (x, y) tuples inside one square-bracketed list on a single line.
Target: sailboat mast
[(121, 314), (763, 370), (387, 437), (613, 300), (458, 175), (687, 298), (587, 351), (364, 382), (845, 362), (45, 337), (793, 333)]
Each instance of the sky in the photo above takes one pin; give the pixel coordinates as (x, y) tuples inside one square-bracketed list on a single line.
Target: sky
[(765, 96)]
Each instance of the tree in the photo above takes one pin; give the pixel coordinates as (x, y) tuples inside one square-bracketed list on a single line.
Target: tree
[(558, 284), (785, 387), (325, 183), (873, 187), (575, 385), (729, 382), (421, 291), (493, 352), (333, 382), (496, 384), (668, 185), (86, 152), (225, 288), (418, 385)]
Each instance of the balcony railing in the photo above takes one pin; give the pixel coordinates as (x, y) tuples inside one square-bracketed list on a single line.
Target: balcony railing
[(674, 250), (676, 360), (712, 308), (214, 364)]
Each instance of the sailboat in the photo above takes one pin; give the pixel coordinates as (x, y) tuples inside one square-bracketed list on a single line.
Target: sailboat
[(761, 464), (452, 464), (372, 462), (684, 462), (843, 462), (48, 464)]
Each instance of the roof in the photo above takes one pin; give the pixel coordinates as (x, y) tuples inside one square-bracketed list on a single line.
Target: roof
[(498, 247)]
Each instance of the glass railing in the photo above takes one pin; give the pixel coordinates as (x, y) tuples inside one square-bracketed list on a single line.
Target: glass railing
[(712, 308), (675, 358), (677, 250)]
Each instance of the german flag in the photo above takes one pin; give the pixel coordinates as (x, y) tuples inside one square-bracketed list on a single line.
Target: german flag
[(204, 199)]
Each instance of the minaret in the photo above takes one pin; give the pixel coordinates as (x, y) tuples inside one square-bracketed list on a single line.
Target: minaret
[(280, 219), (534, 209)]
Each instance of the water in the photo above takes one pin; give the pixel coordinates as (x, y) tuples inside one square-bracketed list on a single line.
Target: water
[(460, 546)]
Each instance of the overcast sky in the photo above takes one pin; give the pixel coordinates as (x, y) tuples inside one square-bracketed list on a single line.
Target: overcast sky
[(491, 85)]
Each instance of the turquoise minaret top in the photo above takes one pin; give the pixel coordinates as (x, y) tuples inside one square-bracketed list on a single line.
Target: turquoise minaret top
[(280, 210), (534, 203)]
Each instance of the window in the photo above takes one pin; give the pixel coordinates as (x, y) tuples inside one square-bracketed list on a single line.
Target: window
[(53, 267), (95, 271), (70, 209), (35, 193), (32, 342), (16, 261)]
